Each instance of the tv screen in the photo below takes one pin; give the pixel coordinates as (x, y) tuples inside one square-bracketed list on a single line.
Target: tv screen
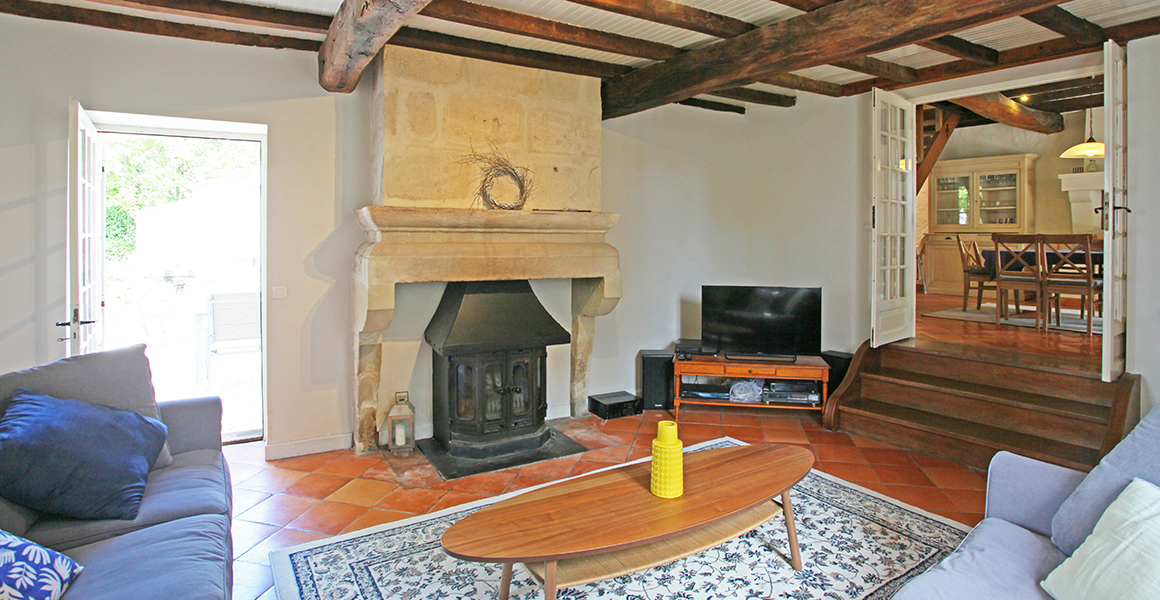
[(761, 321)]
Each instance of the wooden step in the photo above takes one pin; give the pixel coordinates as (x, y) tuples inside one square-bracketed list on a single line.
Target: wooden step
[(1076, 423), (998, 372), (969, 442)]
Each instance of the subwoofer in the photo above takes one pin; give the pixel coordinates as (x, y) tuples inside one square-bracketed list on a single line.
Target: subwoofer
[(656, 375)]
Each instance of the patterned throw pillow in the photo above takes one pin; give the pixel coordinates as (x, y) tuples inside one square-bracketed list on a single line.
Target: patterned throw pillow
[(30, 572)]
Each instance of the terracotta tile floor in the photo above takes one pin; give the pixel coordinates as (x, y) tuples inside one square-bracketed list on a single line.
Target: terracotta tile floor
[(296, 500)]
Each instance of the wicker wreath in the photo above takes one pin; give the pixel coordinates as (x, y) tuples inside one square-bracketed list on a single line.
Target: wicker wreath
[(494, 165)]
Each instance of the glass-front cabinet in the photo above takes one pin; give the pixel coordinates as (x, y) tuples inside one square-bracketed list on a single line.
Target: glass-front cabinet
[(990, 194)]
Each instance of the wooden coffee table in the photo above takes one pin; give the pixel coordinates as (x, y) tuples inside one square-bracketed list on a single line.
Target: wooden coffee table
[(607, 524)]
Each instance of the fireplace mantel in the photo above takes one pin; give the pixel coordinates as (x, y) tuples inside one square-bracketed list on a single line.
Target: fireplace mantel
[(412, 245)]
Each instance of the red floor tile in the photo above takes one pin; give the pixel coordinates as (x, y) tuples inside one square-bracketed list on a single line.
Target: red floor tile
[(454, 498), (638, 453), (348, 466), (271, 481), (615, 454), (902, 475), (956, 479), (310, 462), (418, 500), (587, 466), (285, 538), (830, 438), (550, 469), (697, 415), (246, 534), (732, 418), (785, 436), (376, 516), (328, 517), (856, 472), (419, 476), (381, 471), (865, 442), (884, 456), (491, 484), (524, 482), (968, 501), (926, 460), (781, 422), (698, 430), (316, 485), (846, 454), (752, 435), (278, 509), (363, 492), (623, 424), (926, 498)]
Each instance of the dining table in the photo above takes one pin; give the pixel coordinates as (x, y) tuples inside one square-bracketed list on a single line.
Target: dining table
[(1030, 258)]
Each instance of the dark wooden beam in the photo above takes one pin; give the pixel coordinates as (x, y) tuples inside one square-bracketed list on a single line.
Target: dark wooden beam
[(1024, 55), (804, 84), (878, 68), (674, 14), (1073, 104), (832, 33), (1082, 82), (359, 30), (1060, 94), (960, 48), (232, 12), (710, 105), (498, 19), (449, 44), (757, 97), (931, 154), (1068, 25), (1001, 109), (121, 22)]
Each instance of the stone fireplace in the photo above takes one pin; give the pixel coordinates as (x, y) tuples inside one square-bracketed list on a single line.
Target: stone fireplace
[(430, 110)]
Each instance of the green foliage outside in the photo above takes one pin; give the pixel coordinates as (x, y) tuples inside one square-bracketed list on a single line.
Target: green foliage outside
[(144, 171)]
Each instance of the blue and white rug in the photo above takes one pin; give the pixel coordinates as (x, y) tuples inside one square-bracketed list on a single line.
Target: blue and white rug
[(855, 544)]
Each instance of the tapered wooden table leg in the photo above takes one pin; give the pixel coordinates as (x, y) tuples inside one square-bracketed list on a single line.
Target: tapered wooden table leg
[(505, 581), (550, 580), (795, 553)]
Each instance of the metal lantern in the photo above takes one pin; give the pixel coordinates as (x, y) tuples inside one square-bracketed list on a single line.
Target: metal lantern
[(400, 426)]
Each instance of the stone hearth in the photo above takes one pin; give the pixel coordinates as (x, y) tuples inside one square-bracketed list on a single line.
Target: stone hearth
[(410, 245)]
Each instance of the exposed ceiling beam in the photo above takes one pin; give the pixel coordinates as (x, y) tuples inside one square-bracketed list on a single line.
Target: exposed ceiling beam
[(831, 33), (1067, 25), (1072, 104), (931, 154), (1024, 55), (804, 84), (458, 46), (122, 22), (960, 48), (233, 12), (359, 30), (1001, 109), (878, 68), (498, 19), (757, 97), (710, 105), (674, 14)]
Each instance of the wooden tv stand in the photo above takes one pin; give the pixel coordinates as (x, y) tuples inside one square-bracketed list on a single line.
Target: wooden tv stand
[(805, 368)]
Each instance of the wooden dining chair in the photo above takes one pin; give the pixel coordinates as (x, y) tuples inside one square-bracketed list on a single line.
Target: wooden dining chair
[(1067, 270), (1017, 268), (974, 269)]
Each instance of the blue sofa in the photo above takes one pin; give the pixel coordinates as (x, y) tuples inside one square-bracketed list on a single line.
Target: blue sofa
[(1037, 515), (179, 546)]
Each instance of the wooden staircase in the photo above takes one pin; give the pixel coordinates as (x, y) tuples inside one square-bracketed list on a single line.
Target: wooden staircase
[(966, 403)]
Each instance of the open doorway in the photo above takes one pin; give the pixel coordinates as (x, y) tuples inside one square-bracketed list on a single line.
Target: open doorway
[(183, 258)]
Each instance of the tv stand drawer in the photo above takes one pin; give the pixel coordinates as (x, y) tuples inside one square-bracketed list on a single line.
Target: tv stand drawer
[(702, 368), (751, 371)]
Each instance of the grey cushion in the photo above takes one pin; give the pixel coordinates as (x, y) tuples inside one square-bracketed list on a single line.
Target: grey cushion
[(16, 519), (116, 378), (197, 483), (1134, 456), (187, 559), (996, 560)]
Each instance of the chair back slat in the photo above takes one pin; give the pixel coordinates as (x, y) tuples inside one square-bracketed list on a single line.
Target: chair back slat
[(1016, 256), (969, 252), (1067, 258)]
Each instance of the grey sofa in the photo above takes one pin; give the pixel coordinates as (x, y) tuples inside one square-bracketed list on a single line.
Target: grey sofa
[(179, 546), (1037, 515)]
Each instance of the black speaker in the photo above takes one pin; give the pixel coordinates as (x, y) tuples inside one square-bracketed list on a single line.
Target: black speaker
[(656, 379), (839, 363)]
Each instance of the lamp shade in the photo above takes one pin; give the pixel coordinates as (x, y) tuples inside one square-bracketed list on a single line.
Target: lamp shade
[(1089, 149)]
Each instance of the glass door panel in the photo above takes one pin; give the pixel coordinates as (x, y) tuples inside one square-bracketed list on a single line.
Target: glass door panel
[(953, 200), (464, 392), (493, 391), (999, 198), (520, 392)]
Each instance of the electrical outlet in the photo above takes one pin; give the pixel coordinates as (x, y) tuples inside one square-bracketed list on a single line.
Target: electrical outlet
[(279, 292)]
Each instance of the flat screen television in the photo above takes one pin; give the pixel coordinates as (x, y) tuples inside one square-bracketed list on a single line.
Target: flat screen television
[(774, 322)]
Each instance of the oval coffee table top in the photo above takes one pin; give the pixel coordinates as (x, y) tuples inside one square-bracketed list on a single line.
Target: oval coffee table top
[(614, 509)]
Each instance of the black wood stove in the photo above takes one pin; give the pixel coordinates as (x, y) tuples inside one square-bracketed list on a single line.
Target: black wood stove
[(489, 342)]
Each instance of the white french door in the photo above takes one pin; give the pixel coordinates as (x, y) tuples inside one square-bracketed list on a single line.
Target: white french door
[(892, 242), (1115, 211), (86, 239)]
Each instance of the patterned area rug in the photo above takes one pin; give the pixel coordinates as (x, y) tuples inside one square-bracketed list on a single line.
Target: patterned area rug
[(1069, 319), (855, 544)]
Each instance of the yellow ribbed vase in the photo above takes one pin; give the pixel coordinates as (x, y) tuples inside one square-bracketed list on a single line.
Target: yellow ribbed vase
[(668, 467)]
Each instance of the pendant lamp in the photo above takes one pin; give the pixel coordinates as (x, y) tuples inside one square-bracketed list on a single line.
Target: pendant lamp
[(1089, 149)]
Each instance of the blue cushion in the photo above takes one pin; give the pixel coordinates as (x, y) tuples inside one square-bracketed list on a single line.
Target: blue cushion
[(29, 571), (1134, 456), (76, 459)]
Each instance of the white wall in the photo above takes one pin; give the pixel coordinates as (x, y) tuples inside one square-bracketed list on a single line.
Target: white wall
[(1144, 199), (1052, 207), (774, 197), (318, 173)]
